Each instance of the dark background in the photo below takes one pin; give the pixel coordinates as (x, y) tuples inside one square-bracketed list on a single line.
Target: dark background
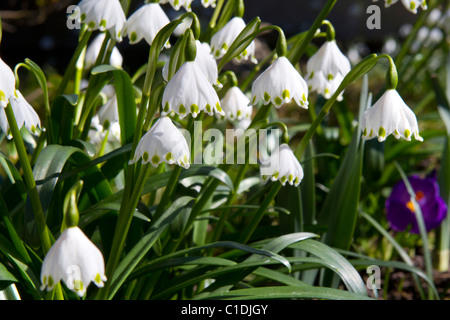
[(36, 29)]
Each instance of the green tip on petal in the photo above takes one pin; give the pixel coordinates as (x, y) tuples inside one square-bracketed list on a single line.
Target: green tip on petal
[(145, 156), (286, 94), (330, 77), (155, 159), (283, 179), (218, 107), (266, 96), (291, 177), (278, 100), (169, 156), (133, 36), (194, 108), (382, 132), (103, 23), (166, 107), (208, 108), (91, 25), (412, 5), (50, 281), (98, 278), (182, 109), (407, 133), (275, 175), (364, 132)]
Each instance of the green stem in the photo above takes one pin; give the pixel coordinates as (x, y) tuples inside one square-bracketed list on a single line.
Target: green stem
[(248, 231), (73, 61), (297, 51), (29, 179), (123, 224)]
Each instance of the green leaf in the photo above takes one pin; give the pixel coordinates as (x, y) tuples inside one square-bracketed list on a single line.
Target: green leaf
[(135, 255), (48, 172), (287, 292), (342, 266), (125, 100), (6, 278), (63, 113)]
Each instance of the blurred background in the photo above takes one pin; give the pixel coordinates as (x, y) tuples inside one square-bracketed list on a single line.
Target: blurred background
[(36, 29)]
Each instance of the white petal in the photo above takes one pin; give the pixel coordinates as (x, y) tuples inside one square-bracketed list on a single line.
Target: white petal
[(189, 91), (280, 83), (145, 23), (163, 143), (104, 15)]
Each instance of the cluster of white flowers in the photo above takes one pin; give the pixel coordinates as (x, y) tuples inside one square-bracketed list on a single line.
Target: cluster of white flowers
[(190, 91)]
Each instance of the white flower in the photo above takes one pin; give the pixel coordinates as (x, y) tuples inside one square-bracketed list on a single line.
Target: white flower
[(390, 115), (326, 69), (23, 112), (74, 259), (7, 83), (282, 165), (189, 91), (205, 61), (280, 83), (163, 143), (207, 3), (145, 23), (222, 40), (177, 4), (411, 5), (235, 104), (103, 15), (93, 51)]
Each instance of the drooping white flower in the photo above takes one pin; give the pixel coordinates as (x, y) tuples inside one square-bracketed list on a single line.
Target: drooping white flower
[(7, 83), (145, 23), (177, 4), (280, 83), (109, 112), (207, 3), (411, 5), (235, 104), (390, 115), (24, 113), (74, 259), (222, 40), (282, 165), (189, 91), (93, 51), (163, 143), (205, 61), (103, 15), (326, 69)]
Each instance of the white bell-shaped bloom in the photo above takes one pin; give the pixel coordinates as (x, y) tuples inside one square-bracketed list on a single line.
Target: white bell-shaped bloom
[(189, 91), (24, 113), (222, 40), (74, 259), (282, 165), (177, 4), (103, 15), (390, 115), (7, 83), (280, 83), (207, 3), (163, 143), (235, 104), (145, 23), (326, 69), (93, 51), (205, 62), (411, 5)]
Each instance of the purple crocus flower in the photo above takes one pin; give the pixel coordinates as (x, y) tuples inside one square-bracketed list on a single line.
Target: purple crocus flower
[(400, 209)]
